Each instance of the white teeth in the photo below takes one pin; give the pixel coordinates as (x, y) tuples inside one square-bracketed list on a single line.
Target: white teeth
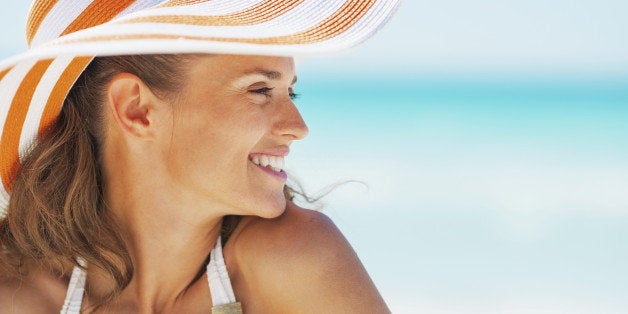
[(277, 163), (264, 160), (272, 161)]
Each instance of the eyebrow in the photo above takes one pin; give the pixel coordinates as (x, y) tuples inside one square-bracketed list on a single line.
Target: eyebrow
[(271, 75)]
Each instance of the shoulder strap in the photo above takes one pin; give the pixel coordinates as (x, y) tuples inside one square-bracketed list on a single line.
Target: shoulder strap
[(76, 288), (223, 297)]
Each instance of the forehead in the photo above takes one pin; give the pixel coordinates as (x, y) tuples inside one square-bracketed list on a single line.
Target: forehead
[(232, 66)]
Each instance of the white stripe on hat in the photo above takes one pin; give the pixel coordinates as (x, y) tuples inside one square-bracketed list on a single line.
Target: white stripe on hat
[(53, 25), (39, 101), (139, 5), (4, 201)]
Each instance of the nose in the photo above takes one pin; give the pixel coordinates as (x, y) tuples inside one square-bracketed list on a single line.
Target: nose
[(289, 123)]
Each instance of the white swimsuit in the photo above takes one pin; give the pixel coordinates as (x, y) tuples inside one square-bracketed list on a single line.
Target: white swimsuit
[(223, 299)]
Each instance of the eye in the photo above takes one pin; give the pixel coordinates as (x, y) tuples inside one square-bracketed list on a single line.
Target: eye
[(292, 94), (263, 91), (266, 91)]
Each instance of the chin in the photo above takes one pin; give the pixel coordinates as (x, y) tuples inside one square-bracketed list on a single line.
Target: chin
[(272, 208)]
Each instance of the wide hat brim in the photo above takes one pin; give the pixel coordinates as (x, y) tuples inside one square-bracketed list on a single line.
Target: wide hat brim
[(33, 85)]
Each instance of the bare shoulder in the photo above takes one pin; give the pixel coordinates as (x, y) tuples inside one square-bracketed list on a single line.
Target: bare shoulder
[(301, 236), (301, 262), (34, 293), (296, 229)]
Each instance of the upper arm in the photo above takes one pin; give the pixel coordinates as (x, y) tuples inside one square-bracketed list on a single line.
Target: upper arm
[(301, 262)]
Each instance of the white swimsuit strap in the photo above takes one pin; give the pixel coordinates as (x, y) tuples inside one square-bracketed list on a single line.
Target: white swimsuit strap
[(217, 276), (76, 288), (219, 282)]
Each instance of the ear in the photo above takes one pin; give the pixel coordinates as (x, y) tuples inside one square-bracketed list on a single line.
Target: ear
[(133, 105)]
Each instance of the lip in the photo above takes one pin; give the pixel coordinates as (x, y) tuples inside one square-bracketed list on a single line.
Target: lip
[(282, 151), (281, 175)]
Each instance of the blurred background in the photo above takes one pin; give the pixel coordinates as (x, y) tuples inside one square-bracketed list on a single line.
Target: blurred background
[(491, 142)]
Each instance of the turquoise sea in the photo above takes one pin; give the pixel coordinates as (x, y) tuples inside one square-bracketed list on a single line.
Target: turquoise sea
[(489, 195)]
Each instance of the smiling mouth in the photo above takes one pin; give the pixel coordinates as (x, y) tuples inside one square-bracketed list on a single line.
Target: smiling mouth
[(274, 163)]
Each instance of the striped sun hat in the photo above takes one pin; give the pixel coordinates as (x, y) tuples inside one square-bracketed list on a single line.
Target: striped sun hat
[(64, 35)]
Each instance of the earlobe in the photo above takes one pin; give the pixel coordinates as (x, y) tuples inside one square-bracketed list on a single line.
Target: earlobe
[(129, 100)]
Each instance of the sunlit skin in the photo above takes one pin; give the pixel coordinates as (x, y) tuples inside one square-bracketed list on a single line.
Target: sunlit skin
[(175, 166)]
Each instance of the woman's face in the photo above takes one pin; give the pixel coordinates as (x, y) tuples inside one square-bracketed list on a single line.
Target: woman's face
[(234, 121)]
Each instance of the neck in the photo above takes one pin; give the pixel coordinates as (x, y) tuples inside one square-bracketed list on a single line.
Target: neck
[(168, 238), (167, 256)]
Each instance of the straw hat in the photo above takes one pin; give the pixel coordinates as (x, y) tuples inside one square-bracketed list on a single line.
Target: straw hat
[(64, 36)]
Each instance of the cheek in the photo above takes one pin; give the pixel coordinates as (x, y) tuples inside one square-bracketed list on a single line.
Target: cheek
[(215, 142), (221, 133)]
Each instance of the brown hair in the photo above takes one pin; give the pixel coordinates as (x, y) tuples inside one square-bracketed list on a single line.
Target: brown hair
[(56, 213)]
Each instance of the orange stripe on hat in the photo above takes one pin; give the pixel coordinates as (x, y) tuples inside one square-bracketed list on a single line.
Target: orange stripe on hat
[(98, 12), (10, 142), (60, 91), (39, 11), (262, 12), (343, 19)]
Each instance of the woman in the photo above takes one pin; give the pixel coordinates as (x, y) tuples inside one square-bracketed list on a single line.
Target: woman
[(142, 152)]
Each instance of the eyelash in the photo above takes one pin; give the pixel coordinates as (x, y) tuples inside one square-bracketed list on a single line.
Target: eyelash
[(266, 92)]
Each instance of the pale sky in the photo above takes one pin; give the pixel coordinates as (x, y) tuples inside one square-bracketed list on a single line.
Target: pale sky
[(490, 35)]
